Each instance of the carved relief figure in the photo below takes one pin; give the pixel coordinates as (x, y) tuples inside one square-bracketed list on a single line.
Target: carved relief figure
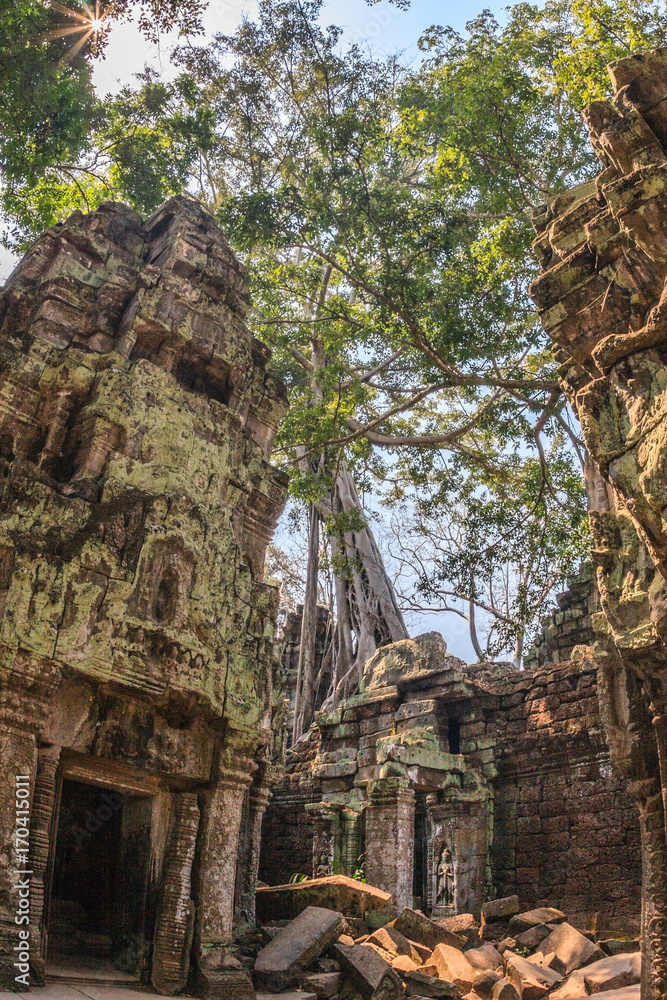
[(445, 895)]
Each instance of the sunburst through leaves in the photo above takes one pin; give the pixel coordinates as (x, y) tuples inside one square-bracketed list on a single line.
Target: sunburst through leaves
[(88, 25)]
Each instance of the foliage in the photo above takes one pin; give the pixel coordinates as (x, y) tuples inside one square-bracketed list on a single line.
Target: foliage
[(491, 550), (61, 147)]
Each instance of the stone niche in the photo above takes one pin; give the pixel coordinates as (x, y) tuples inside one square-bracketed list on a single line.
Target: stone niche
[(453, 783), (602, 299), (136, 660)]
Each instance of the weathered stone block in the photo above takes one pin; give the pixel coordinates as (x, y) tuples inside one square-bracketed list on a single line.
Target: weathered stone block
[(453, 967), (486, 957), (613, 973), (501, 909), (368, 971), (420, 986), (530, 981), (416, 927), (570, 949), (282, 962), (325, 985), (531, 918)]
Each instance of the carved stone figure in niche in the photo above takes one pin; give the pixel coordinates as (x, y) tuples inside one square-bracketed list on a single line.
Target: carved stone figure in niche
[(445, 892)]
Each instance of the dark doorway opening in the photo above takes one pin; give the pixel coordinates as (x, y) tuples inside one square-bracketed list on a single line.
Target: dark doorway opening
[(98, 921), (454, 735), (420, 856)]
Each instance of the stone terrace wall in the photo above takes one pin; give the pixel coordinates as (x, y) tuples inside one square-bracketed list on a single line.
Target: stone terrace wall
[(570, 625), (566, 831)]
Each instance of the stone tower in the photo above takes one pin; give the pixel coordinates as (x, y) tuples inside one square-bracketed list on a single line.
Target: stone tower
[(602, 298), (136, 502)]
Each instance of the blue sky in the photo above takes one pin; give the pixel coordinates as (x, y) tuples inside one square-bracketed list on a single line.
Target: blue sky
[(382, 26)]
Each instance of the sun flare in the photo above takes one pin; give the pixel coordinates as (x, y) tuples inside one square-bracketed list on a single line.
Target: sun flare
[(87, 25)]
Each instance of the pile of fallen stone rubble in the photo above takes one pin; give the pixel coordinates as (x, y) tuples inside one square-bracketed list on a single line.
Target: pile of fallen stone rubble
[(322, 954)]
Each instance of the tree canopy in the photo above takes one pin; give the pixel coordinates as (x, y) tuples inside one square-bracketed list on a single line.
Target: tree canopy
[(383, 211)]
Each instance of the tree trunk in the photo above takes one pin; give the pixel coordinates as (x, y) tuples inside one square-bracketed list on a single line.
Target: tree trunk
[(305, 683), (368, 614)]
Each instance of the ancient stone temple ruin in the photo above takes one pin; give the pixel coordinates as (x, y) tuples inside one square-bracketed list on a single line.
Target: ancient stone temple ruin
[(453, 784), (136, 665), (602, 298)]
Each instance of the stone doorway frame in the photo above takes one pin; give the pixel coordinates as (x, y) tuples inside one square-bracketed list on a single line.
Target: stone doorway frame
[(174, 825)]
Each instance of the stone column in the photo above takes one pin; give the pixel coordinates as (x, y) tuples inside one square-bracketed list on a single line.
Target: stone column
[(326, 837), (219, 975), (351, 840), (41, 835), (25, 689), (176, 912), (654, 889), (390, 838), (259, 797)]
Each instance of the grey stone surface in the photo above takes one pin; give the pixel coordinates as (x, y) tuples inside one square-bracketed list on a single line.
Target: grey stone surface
[(570, 950), (416, 927), (281, 963)]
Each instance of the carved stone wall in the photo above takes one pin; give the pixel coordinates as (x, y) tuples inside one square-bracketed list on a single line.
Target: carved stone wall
[(137, 416), (603, 250)]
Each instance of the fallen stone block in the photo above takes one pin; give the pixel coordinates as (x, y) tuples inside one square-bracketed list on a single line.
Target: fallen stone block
[(281, 963), (533, 937), (403, 963), (423, 952), (485, 957), (503, 990), (529, 980), (544, 915), (461, 922), (368, 970), (392, 941), (573, 988), (619, 946), (325, 985), (453, 967), (570, 949), (500, 909), (416, 927), (429, 987), (613, 973), (626, 993), (334, 892), (484, 982)]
